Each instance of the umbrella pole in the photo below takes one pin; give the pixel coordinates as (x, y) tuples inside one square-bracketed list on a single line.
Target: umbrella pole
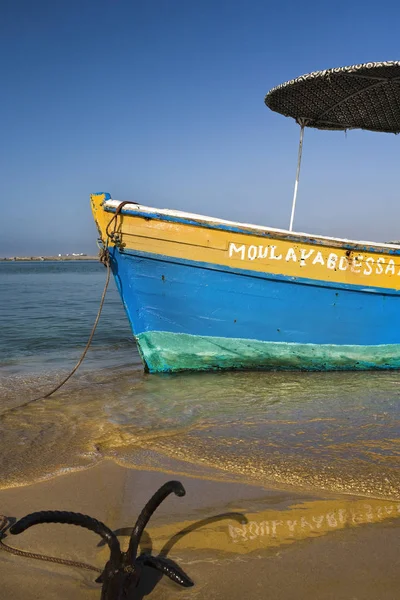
[(296, 185)]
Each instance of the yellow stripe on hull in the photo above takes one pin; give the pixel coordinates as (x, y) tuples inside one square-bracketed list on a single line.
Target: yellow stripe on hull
[(282, 254)]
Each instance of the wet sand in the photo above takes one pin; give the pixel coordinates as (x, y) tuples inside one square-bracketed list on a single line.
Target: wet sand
[(295, 544), (311, 459)]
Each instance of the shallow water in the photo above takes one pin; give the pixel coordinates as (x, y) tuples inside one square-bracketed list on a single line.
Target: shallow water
[(47, 310), (319, 431)]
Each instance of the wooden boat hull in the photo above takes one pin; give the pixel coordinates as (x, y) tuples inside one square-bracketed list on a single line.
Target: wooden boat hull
[(204, 294)]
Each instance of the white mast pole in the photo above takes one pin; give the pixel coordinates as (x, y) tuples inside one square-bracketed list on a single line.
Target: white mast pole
[(296, 185)]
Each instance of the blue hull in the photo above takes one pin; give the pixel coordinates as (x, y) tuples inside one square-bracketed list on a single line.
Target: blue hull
[(193, 315)]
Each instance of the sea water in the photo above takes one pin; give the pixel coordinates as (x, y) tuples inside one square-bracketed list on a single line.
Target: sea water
[(335, 432)]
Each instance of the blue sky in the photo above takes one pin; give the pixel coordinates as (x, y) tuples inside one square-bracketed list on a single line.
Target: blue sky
[(162, 102)]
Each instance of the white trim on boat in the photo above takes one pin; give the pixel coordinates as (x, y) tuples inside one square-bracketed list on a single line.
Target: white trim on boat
[(185, 215)]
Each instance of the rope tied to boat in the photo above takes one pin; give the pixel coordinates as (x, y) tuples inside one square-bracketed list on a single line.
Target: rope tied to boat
[(105, 259), (113, 235), (104, 256)]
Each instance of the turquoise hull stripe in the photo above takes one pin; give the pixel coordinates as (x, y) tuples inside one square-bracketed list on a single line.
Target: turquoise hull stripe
[(169, 352)]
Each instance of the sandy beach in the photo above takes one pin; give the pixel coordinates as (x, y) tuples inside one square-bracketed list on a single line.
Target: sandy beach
[(311, 461), (293, 545)]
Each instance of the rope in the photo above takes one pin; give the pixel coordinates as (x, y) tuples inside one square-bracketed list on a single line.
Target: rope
[(104, 258), (114, 219), (44, 557)]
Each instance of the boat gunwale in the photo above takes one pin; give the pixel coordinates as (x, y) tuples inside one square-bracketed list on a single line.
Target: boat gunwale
[(139, 210)]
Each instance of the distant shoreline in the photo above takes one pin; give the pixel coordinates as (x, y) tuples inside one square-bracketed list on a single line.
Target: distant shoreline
[(47, 258)]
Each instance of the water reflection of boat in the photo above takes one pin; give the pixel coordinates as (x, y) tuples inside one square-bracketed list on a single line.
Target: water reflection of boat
[(272, 528), (204, 293)]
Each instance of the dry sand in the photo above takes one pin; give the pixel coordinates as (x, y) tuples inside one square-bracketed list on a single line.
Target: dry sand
[(295, 546)]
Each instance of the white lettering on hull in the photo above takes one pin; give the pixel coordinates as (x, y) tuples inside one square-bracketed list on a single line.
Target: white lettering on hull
[(355, 263)]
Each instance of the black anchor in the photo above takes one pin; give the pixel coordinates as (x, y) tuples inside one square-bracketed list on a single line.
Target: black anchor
[(121, 575)]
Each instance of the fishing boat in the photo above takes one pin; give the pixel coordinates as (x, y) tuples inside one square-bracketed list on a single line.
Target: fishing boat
[(203, 293)]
